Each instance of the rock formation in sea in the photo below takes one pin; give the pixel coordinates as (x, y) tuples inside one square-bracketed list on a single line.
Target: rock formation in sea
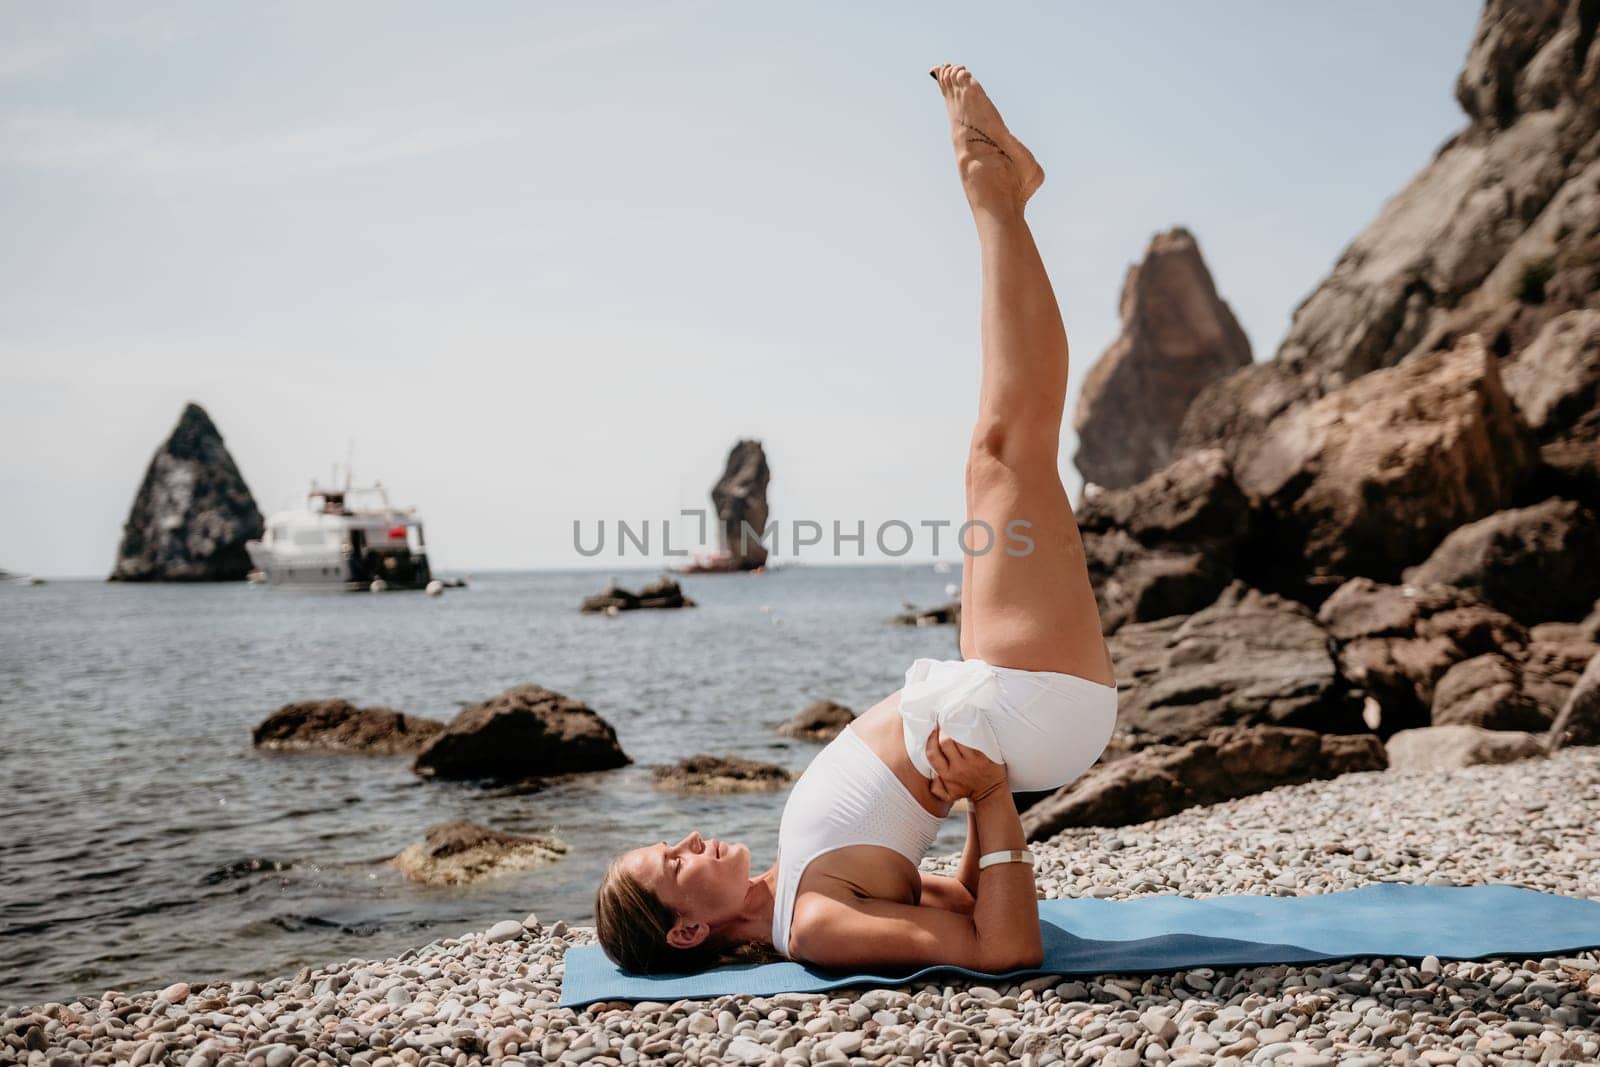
[(721, 774), (740, 497), (661, 593), (940, 615), (819, 721), (526, 732), (1178, 336), (193, 512), (340, 726), (455, 853)]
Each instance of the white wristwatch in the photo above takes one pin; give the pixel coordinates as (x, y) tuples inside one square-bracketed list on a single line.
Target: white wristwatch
[(1013, 855)]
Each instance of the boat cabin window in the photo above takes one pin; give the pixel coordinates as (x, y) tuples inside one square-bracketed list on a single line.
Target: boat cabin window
[(280, 534), (312, 536)]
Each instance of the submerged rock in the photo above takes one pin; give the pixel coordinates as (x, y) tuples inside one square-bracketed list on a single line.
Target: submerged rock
[(1178, 336), (340, 726), (526, 732), (664, 592), (942, 615), (193, 512), (820, 721), (1228, 762), (457, 852), (722, 774)]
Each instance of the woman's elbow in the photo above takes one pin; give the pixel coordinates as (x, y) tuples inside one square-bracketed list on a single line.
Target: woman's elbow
[(1014, 959)]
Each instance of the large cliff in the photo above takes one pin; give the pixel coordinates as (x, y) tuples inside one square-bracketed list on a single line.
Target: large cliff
[(1498, 235), (193, 513)]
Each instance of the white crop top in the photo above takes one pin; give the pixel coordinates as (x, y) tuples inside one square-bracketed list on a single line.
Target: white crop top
[(847, 796)]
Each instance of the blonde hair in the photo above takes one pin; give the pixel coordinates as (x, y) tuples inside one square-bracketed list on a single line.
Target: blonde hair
[(631, 923)]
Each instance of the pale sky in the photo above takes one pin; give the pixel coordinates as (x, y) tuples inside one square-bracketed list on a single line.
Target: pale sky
[(542, 262)]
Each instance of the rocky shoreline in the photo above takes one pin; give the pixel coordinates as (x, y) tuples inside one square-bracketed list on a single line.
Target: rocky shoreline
[(489, 996)]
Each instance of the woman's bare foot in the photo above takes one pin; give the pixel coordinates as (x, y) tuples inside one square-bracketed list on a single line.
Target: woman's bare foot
[(997, 170)]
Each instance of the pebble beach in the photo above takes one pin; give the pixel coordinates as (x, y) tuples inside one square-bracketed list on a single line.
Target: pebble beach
[(489, 996)]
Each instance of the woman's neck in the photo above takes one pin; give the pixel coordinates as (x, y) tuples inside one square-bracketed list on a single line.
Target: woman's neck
[(755, 917)]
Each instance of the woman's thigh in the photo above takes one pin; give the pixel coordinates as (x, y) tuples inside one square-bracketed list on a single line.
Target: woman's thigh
[(1030, 601)]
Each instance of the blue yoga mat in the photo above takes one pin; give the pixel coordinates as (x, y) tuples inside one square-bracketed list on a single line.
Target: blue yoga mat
[(1164, 933)]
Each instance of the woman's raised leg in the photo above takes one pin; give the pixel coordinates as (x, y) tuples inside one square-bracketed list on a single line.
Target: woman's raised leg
[(1026, 600)]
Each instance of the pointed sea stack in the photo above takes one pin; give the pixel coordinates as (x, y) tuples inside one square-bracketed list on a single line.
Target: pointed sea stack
[(740, 496), (1178, 336), (193, 513)]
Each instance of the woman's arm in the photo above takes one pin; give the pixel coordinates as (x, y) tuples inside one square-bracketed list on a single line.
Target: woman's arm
[(967, 873), (1001, 933), (958, 893)]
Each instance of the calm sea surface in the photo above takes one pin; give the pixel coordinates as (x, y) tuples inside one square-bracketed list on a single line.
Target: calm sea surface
[(145, 841)]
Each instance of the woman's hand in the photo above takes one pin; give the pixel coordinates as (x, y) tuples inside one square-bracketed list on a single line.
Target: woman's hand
[(960, 771)]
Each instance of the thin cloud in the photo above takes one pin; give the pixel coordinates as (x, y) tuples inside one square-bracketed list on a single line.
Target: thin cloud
[(68, 141), (25, 60)]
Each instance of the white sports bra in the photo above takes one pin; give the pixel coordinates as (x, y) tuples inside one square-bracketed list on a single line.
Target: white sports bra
[(847, 796)]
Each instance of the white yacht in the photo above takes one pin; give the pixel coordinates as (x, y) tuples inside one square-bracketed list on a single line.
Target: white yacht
[(333, 543)]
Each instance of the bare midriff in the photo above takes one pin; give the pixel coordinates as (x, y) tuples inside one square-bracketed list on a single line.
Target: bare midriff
[(881, 729)]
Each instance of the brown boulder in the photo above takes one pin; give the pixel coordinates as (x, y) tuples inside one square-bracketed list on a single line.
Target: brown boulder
[(819, 721), (721, 774), (1396, 642), (1486, 691), (340, 726), (1250, 658), (1177, 337), (1371, 478), (457, 852), (1554, 664), (526, 732), (1536, 564), (1166, 546), (1579, 720), (1434, 748), (1227, 762)]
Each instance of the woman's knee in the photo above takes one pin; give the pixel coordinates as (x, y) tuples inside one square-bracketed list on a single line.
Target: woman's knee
[(1001, 454)]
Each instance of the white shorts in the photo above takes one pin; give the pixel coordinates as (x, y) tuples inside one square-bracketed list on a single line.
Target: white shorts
[(1047, 728)]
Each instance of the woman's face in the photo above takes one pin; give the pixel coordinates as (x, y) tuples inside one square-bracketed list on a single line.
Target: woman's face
[(703, 882)]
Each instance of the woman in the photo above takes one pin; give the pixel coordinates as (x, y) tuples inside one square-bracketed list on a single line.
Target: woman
[(1030, 705)]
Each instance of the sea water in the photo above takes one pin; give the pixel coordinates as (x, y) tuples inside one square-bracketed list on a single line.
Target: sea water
[(145, 841)]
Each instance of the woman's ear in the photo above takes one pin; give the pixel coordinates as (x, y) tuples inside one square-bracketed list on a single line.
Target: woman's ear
[(687, 934)]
